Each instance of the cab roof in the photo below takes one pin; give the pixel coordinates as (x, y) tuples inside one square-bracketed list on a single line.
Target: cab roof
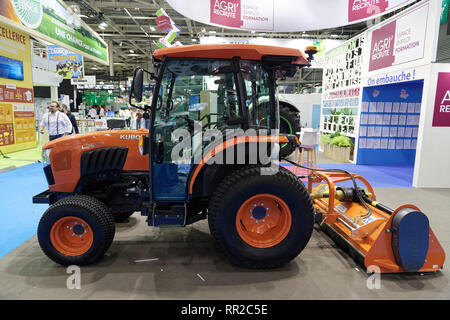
[(228, 51)]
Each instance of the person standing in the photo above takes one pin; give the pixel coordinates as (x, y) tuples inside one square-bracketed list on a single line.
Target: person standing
[(71, 117), (92, 114), (102, 112), (57, 123), (138, 119), (146, 116)]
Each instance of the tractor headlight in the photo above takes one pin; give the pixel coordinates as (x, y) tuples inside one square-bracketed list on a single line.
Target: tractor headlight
[(46, 156), (143, 144)]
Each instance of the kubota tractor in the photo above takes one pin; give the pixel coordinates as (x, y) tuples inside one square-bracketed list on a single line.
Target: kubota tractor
[(209, 155)]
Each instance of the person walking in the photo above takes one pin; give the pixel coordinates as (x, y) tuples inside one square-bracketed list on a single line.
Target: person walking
[(57, 123), (71, 117)]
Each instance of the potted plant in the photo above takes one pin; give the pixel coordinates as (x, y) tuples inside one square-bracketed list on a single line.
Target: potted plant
[(341, 147), (337, 147)]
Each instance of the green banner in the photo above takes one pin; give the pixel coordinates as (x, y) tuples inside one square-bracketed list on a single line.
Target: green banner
[(56, 23), (444, 11)]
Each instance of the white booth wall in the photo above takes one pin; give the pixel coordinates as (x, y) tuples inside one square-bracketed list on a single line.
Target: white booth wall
[(432, 168), (305, 104)]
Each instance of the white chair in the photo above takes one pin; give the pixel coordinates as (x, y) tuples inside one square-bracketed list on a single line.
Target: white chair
[(309, 138)]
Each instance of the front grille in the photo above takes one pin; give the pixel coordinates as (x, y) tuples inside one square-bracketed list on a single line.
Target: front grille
[(103, 160), (49, 175)]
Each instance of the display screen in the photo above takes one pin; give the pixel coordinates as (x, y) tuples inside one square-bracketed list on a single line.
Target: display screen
[(11, 68), (111, 113)]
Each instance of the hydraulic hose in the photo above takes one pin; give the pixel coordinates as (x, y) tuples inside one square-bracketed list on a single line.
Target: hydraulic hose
[(355, 185)]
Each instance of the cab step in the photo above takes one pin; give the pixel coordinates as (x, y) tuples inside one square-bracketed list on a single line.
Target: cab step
[(165, 216)]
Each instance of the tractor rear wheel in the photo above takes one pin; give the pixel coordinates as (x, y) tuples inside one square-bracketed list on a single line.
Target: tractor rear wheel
[(261, 221), (290, 124), (76, 230)]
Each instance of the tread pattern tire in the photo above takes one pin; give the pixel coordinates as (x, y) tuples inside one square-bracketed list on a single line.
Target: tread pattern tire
[(94, 212), (290, 124), (240, 186)]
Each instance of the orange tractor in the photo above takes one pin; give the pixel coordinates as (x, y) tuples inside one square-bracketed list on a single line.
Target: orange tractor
[(209, 154)]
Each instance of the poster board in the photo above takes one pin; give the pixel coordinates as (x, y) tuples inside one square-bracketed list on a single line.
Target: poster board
[(66, 61), (17, 117), (53, 21), (389, 123)]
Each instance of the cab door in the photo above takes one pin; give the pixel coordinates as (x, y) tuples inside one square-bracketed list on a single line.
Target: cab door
[(195, 95)]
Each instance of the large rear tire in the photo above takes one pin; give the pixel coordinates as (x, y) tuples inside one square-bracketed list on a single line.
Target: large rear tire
[(76, 230), (289, 124), (261, 221)]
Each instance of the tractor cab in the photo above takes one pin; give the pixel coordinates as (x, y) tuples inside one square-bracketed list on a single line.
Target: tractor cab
[(203, 91)]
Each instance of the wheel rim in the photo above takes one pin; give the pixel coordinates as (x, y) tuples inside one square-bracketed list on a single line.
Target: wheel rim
[(71, 236), (263, 221)]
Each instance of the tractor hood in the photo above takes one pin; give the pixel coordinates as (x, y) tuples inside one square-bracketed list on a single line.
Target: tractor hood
[(98, 139)]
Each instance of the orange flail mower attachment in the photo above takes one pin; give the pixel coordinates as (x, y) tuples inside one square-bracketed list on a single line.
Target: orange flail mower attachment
[(382, 239)]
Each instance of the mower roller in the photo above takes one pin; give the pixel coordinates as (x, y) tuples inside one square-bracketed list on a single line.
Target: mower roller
[(393, 241)]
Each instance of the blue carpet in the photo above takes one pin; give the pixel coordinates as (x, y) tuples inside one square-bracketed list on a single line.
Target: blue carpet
[(378, 176), (19, 217)]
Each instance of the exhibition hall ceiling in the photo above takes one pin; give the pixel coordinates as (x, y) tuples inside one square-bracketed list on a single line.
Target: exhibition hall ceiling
[(130, 28)]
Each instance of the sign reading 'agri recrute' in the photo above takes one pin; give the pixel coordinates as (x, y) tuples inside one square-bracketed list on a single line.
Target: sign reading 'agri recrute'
[(441, 116), (362, 9), (399, 41), (245, 14)]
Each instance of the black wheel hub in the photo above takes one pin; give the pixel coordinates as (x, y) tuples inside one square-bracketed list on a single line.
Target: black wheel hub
[(78, 229), (259, 212)]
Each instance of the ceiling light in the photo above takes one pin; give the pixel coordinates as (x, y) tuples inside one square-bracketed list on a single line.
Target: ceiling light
[(131, 51), (212, 31), (194, 40), (152, 28)]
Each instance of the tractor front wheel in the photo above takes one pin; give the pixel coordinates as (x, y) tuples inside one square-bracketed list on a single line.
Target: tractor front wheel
[(261, 221), (76, 230)]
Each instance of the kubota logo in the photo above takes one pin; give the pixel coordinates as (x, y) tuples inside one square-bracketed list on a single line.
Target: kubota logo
[(130, 137), (29, 12)]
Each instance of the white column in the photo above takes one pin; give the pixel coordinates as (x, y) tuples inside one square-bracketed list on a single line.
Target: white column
[(111, 58)]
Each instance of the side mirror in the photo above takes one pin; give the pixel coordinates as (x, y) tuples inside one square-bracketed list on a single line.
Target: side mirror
[(137, 85)]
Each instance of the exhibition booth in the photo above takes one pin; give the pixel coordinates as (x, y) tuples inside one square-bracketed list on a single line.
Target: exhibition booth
[(376, 86)]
